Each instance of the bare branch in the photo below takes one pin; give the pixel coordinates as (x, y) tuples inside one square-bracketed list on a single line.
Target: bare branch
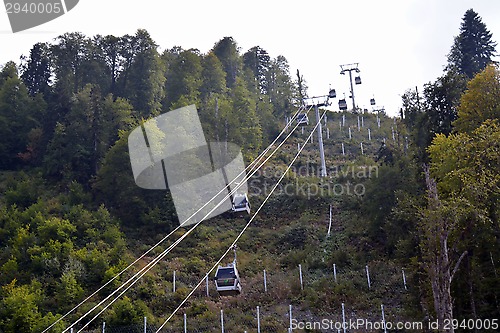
[(457, 264)]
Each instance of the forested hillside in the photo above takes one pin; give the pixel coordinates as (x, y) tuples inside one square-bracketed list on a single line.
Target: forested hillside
[(407, 218)]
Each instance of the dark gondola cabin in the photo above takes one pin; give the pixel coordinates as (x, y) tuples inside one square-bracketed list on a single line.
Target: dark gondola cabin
[(342, 104), (372, 101), (241, 203), (227, 280), (357, 80), (302, 119)]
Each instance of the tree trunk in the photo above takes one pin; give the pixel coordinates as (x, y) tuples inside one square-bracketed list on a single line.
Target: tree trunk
[(217, 119), (471, 291), (436, 228), (441, 284)]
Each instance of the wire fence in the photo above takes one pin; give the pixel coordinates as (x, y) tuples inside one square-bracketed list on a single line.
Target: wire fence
[(273, 290), (271, 320), (375, 273)]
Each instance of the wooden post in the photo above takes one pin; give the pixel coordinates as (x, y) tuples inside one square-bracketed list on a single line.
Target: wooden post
[(330, 222), (206, 284), (173, 283), (222, 320), (265, 281), (383, 318), (368, 277), (300, 275), (343, 318)]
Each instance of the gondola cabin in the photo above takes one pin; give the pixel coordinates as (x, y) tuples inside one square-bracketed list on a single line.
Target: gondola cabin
[(241, 203), (227, 280), (302, 119), (357, 80), (372, 101), (342, 104)]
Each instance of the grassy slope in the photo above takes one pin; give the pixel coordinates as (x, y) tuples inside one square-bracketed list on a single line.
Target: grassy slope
[(291, 230)]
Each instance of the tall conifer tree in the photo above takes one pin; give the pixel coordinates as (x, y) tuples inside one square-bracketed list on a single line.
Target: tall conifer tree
[(473, 48)]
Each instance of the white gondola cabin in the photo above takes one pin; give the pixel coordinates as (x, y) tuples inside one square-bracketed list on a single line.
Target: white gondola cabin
[(241, 203), (227, 280), (302, 119)]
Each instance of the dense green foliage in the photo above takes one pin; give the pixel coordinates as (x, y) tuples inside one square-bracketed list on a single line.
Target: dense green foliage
[(71, 216), (68, 191)]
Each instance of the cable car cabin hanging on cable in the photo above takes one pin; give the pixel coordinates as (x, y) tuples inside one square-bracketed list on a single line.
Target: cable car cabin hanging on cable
[(227, 279), (342, 104), (241, 203), (302, 119)]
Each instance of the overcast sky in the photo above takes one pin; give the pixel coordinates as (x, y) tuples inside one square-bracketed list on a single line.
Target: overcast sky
[(398, 44)]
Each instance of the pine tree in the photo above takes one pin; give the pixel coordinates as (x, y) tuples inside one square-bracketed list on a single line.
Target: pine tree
[(36, 70), (473, 48), (143, 79), (259, 62), (17, 116), (280, 88), (227, 51)]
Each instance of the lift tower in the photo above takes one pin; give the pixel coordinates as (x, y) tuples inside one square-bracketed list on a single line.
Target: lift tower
[(317, 102), (349, 68)]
